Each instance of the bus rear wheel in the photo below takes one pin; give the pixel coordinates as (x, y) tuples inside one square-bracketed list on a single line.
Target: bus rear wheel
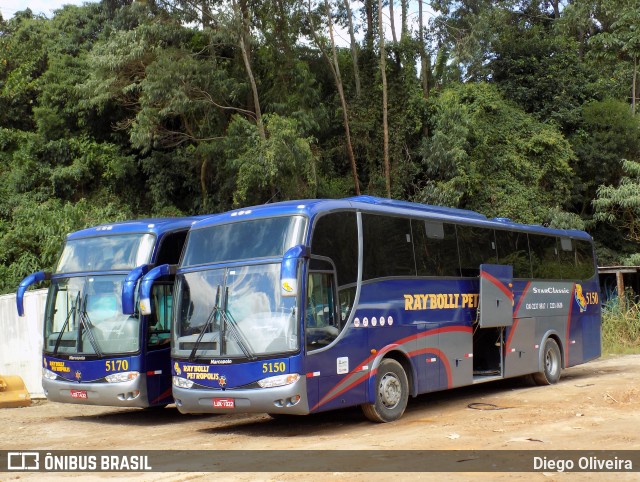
[(392, 393), (551, 364)]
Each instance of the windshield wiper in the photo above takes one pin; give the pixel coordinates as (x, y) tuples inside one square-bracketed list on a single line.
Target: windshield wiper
[(226, 321), (66, 323), (229, 321), (207, 324), (85, 323)]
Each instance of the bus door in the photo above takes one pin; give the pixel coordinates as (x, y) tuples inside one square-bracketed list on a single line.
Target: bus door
[(336, 376), (158, 338), (495, 312)]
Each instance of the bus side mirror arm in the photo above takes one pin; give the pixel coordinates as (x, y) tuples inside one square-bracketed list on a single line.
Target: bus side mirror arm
[(129, 287), (147, 284), (33, 278), (289, 269)]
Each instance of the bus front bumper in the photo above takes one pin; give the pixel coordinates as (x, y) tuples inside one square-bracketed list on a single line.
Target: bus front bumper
[(122, 394), (289, 399)]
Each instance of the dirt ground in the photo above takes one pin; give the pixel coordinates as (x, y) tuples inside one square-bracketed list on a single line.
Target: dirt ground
[(594, 406)]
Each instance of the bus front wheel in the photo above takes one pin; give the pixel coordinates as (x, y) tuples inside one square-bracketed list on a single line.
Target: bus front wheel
[(392, 393), (551, 364)]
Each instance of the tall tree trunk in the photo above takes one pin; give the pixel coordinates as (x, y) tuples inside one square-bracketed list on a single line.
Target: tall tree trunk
[(425, 66), (207, 17), (343, 101), (354, 49), (392, 21), (203, 182), (335, 71), (244, 31), (283, 30), (385, 122), (633, 86), (404, 33), (368, 36)]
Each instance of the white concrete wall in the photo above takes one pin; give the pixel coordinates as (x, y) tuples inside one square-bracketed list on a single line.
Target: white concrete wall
[(21, 339)]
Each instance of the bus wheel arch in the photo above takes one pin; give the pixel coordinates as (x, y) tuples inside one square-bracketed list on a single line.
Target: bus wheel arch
[(390, 391), (550, 361)]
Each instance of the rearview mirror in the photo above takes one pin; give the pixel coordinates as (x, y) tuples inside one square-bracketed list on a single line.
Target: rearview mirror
[(147, 284), (289, 270), (25, 283), (129, 288)]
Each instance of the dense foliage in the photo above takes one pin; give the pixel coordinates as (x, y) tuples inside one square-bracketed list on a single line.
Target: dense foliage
[(113, 110)]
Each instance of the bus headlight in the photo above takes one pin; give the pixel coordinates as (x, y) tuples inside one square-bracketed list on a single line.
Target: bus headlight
[(48, 374), (122, 377), (182, 382), (279, 380)]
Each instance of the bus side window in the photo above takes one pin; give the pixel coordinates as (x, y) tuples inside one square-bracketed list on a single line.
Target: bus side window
[(477, 246), (567, 258), (584, 260), (322, 324), (159, 322), (435, 247), (544, 257), (388, 247), (513, 249), (171, 248), (335, 236)]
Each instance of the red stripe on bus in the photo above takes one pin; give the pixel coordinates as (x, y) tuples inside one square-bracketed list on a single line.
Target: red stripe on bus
[(499, 284), (438, 353), (162, 396), (515, 316), (331, 394), (566, 343)]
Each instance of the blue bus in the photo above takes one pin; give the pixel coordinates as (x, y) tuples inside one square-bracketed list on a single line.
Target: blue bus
[(98, 349), (306, 306)]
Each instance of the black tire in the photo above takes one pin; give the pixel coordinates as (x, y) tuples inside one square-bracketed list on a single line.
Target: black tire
[(392, 393), (551, 364)]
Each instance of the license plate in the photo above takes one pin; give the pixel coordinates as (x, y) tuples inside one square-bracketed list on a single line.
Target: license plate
[(223, 403), (78, 394)]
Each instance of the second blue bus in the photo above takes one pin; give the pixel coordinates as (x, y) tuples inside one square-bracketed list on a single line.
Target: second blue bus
[(97, 348)]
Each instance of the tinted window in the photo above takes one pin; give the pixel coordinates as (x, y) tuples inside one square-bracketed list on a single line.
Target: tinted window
[(335, 236), (513, 249), (388, 249), (103, 253), (171, 248), (477, 246), (257, 238), (159, 322), (436, 249), (321, 325), (584, 260), (544, 257), (567, 258)]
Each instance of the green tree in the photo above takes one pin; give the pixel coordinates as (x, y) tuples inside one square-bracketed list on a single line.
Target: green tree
[(606, 133), (486, 154), (620, 205), (280, 167), (32, 240), (622, 40)]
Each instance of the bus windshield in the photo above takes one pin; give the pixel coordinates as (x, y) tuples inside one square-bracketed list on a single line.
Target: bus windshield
[(104, 253), (234, 312), (84, 317)]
